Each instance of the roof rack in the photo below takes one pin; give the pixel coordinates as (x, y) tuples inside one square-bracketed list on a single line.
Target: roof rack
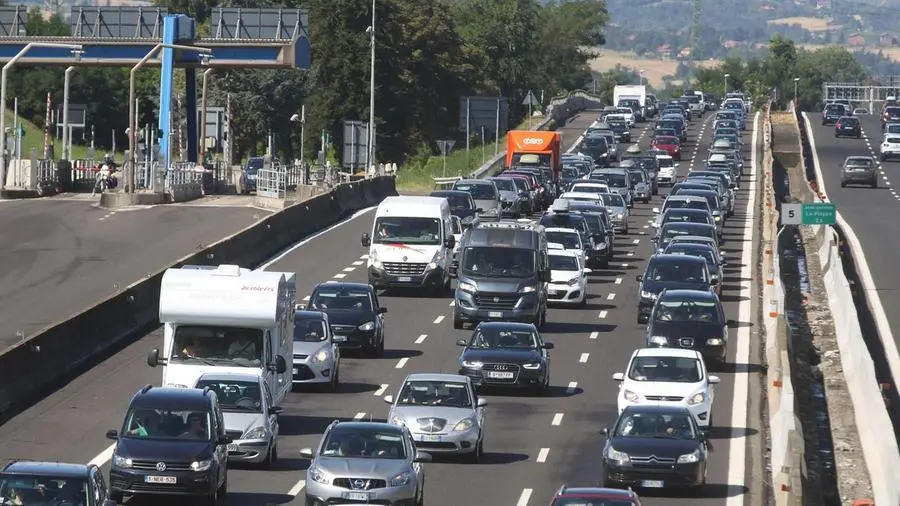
[(523, 224)]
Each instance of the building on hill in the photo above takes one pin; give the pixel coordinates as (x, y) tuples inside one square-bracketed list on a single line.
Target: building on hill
[(856, 40), (664, 51), (823, 4), (684, 54), (888, 40)]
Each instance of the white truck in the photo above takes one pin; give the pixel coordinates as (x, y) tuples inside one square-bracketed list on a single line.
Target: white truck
[(624, 96), (226, 319)]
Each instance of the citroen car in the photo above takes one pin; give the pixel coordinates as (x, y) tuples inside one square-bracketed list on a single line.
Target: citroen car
[(594, 496), (317, 358), (58, 483), (443, 412), (354, 314), (692, 320), (506, 354), (568, 277), (670, 272)]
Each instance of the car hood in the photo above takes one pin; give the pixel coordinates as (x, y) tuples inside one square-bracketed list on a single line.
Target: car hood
[(509, 196), (660, 447), (563, 276), (399, 252), (445, 418), (511, 355), (696, 330), (658, 286), (487, 204), (617, 210), (462, 212), (163, 450), (345, 317), (664, 388), (667, 171), (369, 468), (243, 422)]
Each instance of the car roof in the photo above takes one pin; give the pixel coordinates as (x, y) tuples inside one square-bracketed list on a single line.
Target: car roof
[(473, 181), (561, 229), (670, 258), (508, 325), (562, 253), (453, 378), (449, 193), (49, 469), (656, 408), (344, 284), (695, 226), (229, 376), (590, 184), (171, 397), (358, 424), (666, 352), (690, 295), (309, 315), (610, 493)]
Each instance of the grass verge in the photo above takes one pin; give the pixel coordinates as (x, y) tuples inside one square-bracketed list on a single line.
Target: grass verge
[(34, 138)]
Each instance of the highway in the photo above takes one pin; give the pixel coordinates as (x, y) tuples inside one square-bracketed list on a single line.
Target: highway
[(532, 444), (62, 256)]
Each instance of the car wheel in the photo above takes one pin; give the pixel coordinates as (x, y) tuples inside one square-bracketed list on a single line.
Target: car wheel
[(421, 499), (457, 322), (335, 378), (641, 320), (116, 496), (843, 184), (310, 501), (272, 458)]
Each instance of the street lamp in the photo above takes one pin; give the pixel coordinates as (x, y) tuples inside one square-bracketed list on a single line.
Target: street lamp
[(370, 142), (132, 120), (726, 84), (67, 134), (796, 81), (76, 52), (203, 117), (301, 118), (641, 72)]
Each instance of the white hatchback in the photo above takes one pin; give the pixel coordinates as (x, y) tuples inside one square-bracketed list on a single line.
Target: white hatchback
[(668, 377), (568, 277)]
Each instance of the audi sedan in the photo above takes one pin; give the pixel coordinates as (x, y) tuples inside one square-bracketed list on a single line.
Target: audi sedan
[(506, 355)]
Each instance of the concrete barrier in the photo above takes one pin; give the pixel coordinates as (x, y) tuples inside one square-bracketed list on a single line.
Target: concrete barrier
[(42, 360)]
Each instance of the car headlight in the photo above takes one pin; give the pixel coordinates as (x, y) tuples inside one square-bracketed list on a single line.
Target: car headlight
[(317, 475), (618, 457), (717, 217), (631, 396), (533, 365), (255, 433), (715, 341), (367, 326), (400, 480), (697, 398), (201, 465), (432, 265), (659, 340), (649, 295), (690, 458), (574, 282), (120, 461), (528, 289), (620, 216), (398, 420), (466, 287), (464, 424), (472, 364), (175, 385), (324, 355), (600, 245)]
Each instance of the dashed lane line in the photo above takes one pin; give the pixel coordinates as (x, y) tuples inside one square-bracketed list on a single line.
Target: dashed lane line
[(542, 455), (583, 358), (421, 338), (611, 296), (340, 276), (349, 269), (594, 335), (571, 387), (524, 497), (381, 389), (359, 416), (297, 488), (604, 313), (401, 363), (557, 419), (439, 319)]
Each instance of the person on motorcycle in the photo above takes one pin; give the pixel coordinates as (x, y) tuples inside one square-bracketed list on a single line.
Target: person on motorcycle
[(108, 171)]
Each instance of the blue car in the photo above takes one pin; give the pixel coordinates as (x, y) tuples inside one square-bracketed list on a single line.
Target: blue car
[(249, 172)]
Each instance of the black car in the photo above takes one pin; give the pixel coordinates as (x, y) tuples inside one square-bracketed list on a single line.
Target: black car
[(598, 149), (461, 204), (832, 113), (691, 319), (601, 232), (354, 313), (655, 447), (890, 115), (670, 272), (32, 482), (172, 442), (848, 126), (506, 354), (675, 228), (621, 130)]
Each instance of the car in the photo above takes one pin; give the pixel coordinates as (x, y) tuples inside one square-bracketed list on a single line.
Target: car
[(461, 204), (443, 412), (618, 212), (591, 496), (506, 355), (890, 114), (601, 232), (690, 319), (510, 197), (675, 228), (597, 147), (619, 182), (172, 442), (568, 239), (688, 215), (848, 126), (654, 447), (589, 197), (716, 205), (589, 187), (714, 263), (568, 277), (668, 377), (59, 483), (251, 418), (860, 111), (641, 181), (668, 170), (354, 314), (365, 462), (890, 147), (685, 202), (859, 170), (250, 172), (484, 193), (526, 193), (696, 239), (669, 144), (669, 272), (620, 128), (317, 358)]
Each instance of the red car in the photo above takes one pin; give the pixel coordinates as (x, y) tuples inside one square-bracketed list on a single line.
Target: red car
[(595, 495), (668, 144)]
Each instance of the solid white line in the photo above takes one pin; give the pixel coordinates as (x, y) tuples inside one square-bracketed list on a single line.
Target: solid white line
[(381, 390), (439, 319), (402, 362), (297, 488), (359, 416), (594, 335), (524, 497), (557, 419), (542, 455), (340, 276), (574, 146), (611, 296), (421, 338), (349, 269), (570, 389), (618, 281), (603, 313), (295, 246), (104, 456), (583, 358)]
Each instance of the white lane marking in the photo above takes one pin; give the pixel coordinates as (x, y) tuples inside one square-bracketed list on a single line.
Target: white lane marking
[(103, 457), (583, 358), (381, 390), (646, 226), (364, 257), (624, 266), (603, 313), (402, 362), (421, 338), (636, 241), (452, 303), (306, 298), (594, 335), (629, 254), (358, 263), (570, 389), (359, 416), (557, 419), (524, 497), (340, 276), (439, 319), (571, 149), (618, 281), (611, 296), (349, 269), (542, 455), (295, 246), (297, 488)]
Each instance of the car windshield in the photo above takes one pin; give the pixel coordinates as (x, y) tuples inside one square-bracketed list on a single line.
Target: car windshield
[(477, 191), (457, 202), (565, 220), (23, 489), (666, 369), (570, 172), (673, 229), (499, 337), (407, 230), (563, 263), (712, 200), (686, 249), (452, 394), (309, 330), (590, 501), (616, 180), (364, 443), (588, 189), (341, 298), (236, 396), (665, 163), (687, 311), (613, 200), (859, 162), (504, 185), (569, 240), (685, 217), (212, 345), (637, 176), (666, 141), (674, 271), (656, 425), (687, 204), (165, 423), (521, 185), (849, 121), (497, 262)]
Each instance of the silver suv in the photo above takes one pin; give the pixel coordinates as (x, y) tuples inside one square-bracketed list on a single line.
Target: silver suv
[(365, 462), (859, 170)]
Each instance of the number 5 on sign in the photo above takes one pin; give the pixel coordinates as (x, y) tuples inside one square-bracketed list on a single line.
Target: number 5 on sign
[(791, 214)]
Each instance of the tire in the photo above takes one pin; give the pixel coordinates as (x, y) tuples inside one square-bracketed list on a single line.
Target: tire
[(335, 379), (116, 496), (641, 320), (475, 457), (378, 350), (272, 458), (874, 184), (646, 200), (457, 322), (217, 497)]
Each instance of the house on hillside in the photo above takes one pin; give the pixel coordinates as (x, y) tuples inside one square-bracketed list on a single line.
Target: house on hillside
[(823, 4), (856, 40), (664, 51), (888, 40), (730, 44), (684, 54)]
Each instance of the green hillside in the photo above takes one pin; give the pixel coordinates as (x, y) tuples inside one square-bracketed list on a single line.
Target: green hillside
[(34, 138)]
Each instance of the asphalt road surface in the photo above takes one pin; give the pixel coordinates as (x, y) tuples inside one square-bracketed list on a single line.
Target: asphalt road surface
[(532, 444)]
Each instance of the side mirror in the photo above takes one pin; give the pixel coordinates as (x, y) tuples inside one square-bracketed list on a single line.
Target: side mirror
[(462, 342), (450, 242), (604, 432), (588, 270), (703, 436), (300, 307), (482, 402), (153, 357), (365, 240), (713, 281), (639, 278), (713, 380), (619, 376), (224, 440), (275, 410), (112, 434), (280, 365), (656, 210), (388, 399), (422, 457), (549, 346), (306, 453), (479, 210), (382, 310)]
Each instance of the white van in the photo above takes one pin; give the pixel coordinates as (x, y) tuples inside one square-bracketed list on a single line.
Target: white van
[(226, 319), (412, 244)]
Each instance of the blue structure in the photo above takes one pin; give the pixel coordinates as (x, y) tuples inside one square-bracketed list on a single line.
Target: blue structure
[(122, 36)]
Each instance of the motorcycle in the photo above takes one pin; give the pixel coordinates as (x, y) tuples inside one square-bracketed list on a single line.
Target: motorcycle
[(107, 178)]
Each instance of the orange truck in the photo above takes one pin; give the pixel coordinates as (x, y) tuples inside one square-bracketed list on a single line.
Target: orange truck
[(535, 148)]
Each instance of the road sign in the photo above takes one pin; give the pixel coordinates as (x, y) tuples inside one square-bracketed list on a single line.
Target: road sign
[(808, 214), (530, 99), (21, 131), (446, 146)]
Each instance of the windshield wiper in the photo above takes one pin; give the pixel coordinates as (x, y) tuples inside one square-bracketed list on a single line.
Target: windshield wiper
[(206, 361)]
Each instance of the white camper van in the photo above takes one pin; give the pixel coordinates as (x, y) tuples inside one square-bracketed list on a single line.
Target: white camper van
[(226, 319), (412, 244)]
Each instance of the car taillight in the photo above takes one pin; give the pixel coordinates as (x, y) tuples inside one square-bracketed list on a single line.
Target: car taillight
[(839, 125)]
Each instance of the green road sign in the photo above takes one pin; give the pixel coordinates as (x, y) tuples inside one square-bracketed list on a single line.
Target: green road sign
[(808, 214)]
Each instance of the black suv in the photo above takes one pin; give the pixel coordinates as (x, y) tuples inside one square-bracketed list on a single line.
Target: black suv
[(690, 319), (172, 442), (30, 482), (668, 272), (847, 126)]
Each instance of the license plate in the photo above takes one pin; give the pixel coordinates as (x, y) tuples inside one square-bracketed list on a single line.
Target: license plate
[(652, 484), (232, 448), (404, 279), (431, 438), (167, 480), (355, 496), (500, 375), (340, 339), (495, 314)]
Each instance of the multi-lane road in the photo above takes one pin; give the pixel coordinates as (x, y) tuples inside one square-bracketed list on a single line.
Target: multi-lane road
[(532, 444)]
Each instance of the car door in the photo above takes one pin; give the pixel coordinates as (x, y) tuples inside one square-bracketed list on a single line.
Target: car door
[(97, 488), (545, 353), (273, 418), (417, 467), (479, 410), (379, 316)]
